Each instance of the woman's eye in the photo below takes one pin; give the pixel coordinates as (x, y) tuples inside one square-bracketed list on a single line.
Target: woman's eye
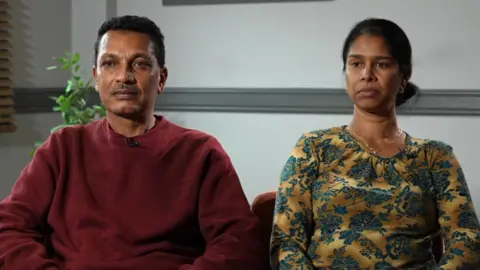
[(383, 65)]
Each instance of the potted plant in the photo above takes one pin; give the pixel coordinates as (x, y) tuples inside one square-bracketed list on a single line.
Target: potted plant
[(73, 103)]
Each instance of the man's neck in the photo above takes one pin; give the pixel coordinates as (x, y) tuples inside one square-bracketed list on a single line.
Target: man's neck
[(374, 126), (130, 127)]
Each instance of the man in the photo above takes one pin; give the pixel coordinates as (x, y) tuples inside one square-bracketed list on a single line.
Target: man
[(132, 191)]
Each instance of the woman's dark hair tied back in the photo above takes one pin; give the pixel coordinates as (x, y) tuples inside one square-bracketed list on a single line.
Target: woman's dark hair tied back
[(409, 91)]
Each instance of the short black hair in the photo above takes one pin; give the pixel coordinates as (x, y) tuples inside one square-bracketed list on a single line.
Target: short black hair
[(136, 24), (398, 44)]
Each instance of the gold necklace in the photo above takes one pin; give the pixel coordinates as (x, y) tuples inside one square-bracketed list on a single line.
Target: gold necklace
[(362, 139)]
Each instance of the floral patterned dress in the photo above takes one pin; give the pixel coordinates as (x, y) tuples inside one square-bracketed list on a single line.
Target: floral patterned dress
[(341, 207)]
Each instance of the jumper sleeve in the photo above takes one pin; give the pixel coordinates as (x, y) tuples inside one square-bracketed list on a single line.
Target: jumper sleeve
[(24, 212), (230, 228)]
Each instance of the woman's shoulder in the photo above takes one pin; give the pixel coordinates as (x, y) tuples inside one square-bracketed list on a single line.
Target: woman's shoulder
[(320, 135), (431, 145)]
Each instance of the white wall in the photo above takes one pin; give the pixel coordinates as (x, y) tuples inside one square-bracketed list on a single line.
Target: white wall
[(259, 144), (288, 45), (284, 45), (87, 16), (299, 44)]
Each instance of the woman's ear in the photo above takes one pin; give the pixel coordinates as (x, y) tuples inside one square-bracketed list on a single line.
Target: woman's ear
[(405, 78)]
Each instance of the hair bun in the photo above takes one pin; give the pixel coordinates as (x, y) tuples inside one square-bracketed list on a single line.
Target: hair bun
[(409, 91)]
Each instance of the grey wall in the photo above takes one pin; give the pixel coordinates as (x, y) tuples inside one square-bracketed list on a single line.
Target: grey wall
[(42, 31)]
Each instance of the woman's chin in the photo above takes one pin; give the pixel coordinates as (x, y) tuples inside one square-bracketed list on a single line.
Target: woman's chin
[(373, 105)]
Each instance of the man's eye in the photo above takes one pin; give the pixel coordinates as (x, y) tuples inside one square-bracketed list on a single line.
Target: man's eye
[(142, 64), (107, 63)]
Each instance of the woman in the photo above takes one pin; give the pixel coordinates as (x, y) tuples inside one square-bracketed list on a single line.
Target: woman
[(368, 195)]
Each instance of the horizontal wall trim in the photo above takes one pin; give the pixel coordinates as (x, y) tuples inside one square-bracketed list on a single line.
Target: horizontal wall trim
[(222, 2), (270, 100)]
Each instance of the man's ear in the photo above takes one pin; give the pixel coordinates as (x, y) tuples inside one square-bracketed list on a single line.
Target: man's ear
[(94, 73), (163, 79)]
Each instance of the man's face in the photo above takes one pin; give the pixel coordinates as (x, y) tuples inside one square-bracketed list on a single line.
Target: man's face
[(127, 74)]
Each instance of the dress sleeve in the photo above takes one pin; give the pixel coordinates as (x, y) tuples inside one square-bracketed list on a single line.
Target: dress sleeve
[(293, 209), (456, 213)]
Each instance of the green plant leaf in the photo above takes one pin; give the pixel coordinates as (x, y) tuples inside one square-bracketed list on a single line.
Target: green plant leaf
[(63, 60), (73, 105), (36, 145), (69, 86), (82, 102), (60, 100)]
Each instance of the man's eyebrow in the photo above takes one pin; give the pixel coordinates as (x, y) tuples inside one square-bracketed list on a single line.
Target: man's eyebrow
[(141, 55), (377, 57), (134, 56)]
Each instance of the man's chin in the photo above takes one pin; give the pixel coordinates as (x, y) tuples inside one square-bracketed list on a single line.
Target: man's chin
[(127, 111)]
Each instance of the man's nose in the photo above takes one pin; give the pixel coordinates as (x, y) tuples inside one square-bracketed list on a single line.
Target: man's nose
[(125, 75)]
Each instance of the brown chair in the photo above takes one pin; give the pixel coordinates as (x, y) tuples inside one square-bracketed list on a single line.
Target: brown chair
[(263, 207)]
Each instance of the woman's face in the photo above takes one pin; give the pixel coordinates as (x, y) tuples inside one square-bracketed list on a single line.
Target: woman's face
[(372, 74)]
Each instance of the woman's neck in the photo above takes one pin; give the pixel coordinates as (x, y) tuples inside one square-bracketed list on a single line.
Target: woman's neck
[(372, 126)]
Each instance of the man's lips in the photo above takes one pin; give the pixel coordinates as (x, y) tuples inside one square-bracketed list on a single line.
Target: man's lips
[(126, 91)]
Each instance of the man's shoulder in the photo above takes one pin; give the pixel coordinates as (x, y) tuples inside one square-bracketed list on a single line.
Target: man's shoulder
[(66, 138), (71, 136), (198, 143), (195, 136), (76, 130)]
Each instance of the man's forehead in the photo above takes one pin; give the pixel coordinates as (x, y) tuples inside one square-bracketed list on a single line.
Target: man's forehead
[(116, 40)]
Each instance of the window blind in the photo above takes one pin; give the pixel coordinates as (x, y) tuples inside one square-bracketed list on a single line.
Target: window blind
[(7, 122)]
